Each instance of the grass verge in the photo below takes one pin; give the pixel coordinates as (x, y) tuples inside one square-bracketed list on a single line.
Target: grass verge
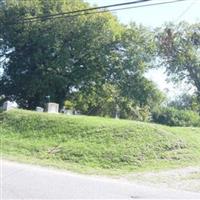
[(96, 145)]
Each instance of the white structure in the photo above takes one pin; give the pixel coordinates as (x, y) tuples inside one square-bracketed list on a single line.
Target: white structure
[(39, 109), (69, 112), (52, 108), (8, 105)]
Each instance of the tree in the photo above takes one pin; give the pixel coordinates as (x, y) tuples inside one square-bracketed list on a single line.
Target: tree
[(186, 102), (134, 55), (125, 85), (89, 57), (52, 57), (108, 100), (179, 47)]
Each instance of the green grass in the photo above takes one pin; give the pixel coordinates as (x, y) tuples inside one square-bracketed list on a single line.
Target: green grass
[(94, 144)]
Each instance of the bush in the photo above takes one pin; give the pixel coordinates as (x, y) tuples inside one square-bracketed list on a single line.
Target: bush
[(68, 105), (173, 117)]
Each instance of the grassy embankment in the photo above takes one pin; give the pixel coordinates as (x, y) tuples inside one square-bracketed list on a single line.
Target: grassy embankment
[(94, 144)]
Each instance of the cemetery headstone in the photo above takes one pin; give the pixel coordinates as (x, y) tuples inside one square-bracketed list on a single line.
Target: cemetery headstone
[(69, 112), (8, 105), (77, 112), (39, 109), (52, 107)]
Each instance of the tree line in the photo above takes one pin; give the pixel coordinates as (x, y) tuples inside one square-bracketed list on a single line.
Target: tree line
[(93, 60)]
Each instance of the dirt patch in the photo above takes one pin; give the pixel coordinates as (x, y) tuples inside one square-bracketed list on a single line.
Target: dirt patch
[(181, 179)]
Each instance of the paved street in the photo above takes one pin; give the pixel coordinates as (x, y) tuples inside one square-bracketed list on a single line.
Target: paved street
[(20, 181)]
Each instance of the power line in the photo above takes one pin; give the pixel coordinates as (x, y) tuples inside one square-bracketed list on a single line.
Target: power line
[(186, 10), (61, 15), (149, 5), (89, 9)]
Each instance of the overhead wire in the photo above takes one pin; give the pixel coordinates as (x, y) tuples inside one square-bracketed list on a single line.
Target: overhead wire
[(89, 9), (186, 10), (62, 15), (149, 5)]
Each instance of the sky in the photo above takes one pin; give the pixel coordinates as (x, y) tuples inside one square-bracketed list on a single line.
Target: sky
[(155, 16)]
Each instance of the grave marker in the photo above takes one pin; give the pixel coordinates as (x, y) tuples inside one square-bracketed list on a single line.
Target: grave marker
[(52, 107)]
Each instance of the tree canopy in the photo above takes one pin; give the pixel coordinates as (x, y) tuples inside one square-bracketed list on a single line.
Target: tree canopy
[(179, 50), (85, 56)]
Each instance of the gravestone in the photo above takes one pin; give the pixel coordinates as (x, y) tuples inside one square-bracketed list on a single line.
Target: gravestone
[(52, 108), (8, 105), (77, 112), (69, 112), (39, 109)]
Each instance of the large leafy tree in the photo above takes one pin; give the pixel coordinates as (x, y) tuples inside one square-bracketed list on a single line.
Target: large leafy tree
[(136, 57), (125, 85), (88, 57), (52, 57), (179, 51)]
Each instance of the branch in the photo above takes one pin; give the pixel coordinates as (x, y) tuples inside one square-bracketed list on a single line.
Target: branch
[(2, 61)]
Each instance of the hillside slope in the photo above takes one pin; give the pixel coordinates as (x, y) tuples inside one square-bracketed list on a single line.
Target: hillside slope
[(96, 144)]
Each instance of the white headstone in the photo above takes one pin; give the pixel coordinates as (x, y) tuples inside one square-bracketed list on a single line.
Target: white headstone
[(52, 108), (39, 109), (8, 105), (69, 112), (77, 112)]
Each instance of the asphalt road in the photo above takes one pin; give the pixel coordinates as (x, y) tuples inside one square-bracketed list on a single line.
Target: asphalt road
[(20, 181)]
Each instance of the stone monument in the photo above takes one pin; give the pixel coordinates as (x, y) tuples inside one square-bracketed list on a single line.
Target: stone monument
[(39, 109), (52, 107), (69, 112), (8, 105)]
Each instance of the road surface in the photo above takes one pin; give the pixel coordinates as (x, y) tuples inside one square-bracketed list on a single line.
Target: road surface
[(20, 181)]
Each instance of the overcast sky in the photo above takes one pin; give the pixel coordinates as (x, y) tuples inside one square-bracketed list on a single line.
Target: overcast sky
[(156, 16)]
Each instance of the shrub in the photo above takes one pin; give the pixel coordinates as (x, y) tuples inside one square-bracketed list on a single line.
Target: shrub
[(174, 117), (68, 105)]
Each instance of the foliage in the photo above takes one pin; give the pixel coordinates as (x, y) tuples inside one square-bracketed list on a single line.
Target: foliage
[(108, 100), (75, 58), (179, 47), (49, 57), (186, 102), (175, 117), (2, 100), (68, 105), (96, 144), (96, 101)]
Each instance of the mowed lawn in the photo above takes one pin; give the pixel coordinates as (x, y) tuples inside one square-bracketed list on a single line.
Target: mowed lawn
[(95, 144)]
